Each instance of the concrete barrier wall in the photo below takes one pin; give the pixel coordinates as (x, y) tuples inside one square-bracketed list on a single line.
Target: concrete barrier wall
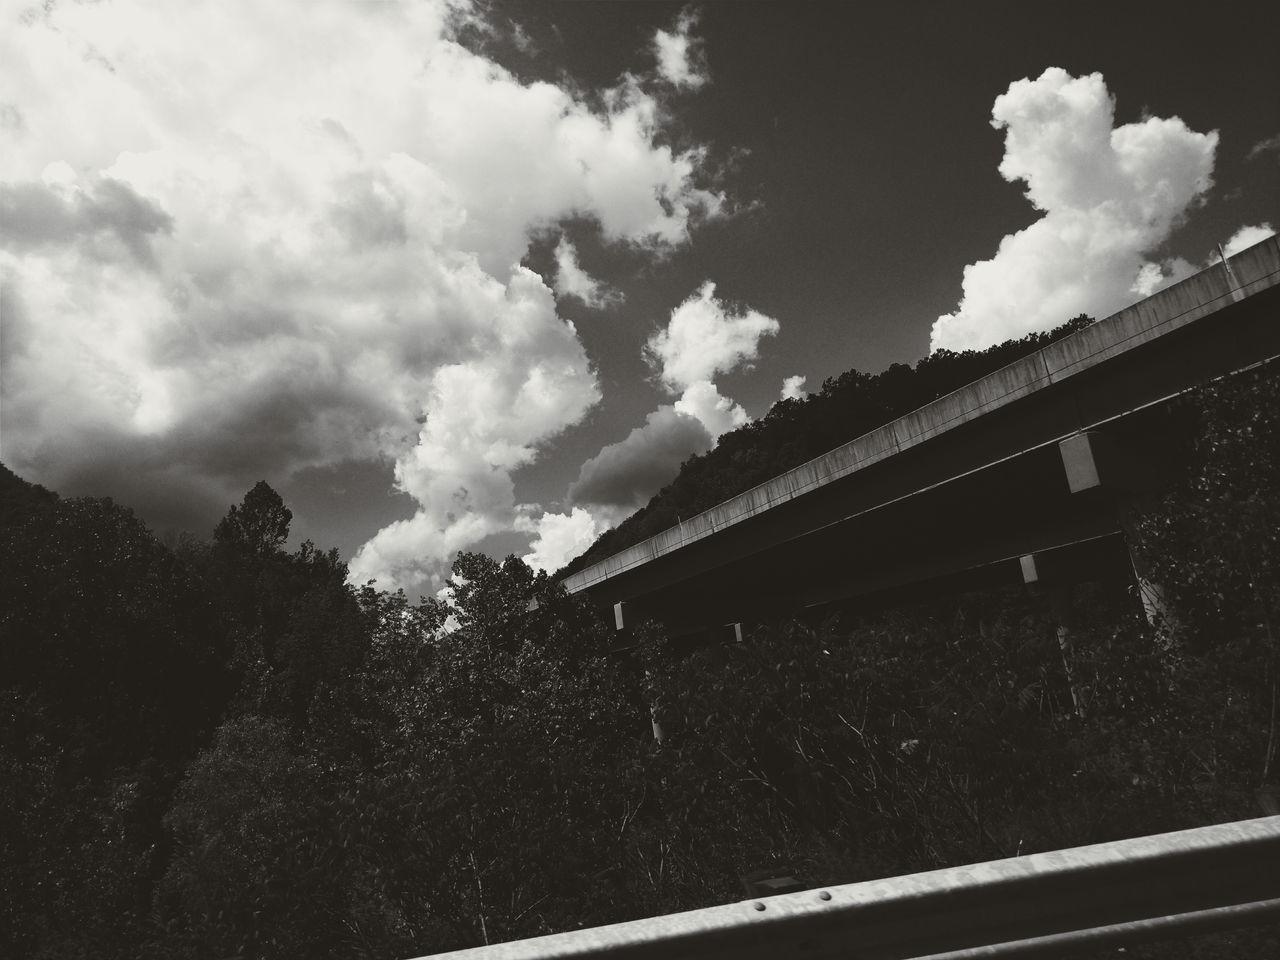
[(1208, 291)]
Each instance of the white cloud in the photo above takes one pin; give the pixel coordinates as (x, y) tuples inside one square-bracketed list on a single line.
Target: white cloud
[(1153, 277), (218, 268), (616, 482), (1156, 276), (1263, 147), (679, 56), (793, 388), (1246, 237), (484, 419), (718, 414), (704, 337), (560, 537), (572, 281), (1109, 196)]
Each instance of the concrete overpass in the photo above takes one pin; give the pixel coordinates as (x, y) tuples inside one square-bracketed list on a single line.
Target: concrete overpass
[(1018, 477)]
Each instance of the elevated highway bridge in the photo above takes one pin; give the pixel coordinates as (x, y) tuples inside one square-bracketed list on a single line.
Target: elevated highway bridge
[(1021, 476)]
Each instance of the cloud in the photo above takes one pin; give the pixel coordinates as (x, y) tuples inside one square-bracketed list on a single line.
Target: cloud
[(679, 54), (572, 281), (718, 414), (484, 419), (613, 484), (1246, 237), (105, 217), (221, 269), (560, 537), (1109, 196), (626, 474), (793, 388), (1263, 147), (1156, 276), (704, 337), (12, 120)]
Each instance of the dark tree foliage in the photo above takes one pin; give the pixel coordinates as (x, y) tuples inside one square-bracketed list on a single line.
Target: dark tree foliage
[(795, 431), (459, 787), (118, 658), (294, 623), (260, 524), (19, 499), (112, 670), (218, 752), (1212, 548)]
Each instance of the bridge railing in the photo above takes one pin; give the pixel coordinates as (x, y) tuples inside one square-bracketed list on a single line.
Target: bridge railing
[(1043, 905)]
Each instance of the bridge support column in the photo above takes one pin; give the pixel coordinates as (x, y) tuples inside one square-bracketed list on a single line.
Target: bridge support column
[(1060, 604), (620, 618), (1093, 460), (658, 734), (1155, 605)]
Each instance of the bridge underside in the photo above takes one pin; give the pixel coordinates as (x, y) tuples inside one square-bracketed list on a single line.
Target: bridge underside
[(968, 533), (1049, 476)]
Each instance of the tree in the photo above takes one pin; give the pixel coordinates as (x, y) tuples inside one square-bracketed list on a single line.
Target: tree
[(260, 524), (1213, 543), (113, 669)]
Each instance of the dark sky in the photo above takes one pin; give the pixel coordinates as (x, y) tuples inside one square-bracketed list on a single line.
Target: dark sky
[(228, 256), (862, 134)]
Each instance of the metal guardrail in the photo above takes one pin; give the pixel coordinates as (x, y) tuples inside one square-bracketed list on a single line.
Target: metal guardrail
[(1042, 905)]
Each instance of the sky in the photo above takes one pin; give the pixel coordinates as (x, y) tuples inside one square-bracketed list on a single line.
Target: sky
[(457, 276)]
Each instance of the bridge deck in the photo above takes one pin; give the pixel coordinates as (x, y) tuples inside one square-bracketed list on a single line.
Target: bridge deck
[(1070, 362)]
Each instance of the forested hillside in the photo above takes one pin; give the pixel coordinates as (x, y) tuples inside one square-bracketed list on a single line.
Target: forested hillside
[(795, 431), (222, 749)]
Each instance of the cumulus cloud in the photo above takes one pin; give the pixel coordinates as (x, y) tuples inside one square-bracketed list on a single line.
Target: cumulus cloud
[(104, 217), (624, 475), (616, 482), (1246, 237), (1156, 276), (572, 281), (793, 388), (679, 53), (217, 269), (560, 537), (1108, 195), (483, 419), (718, 414), (705, 337)]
